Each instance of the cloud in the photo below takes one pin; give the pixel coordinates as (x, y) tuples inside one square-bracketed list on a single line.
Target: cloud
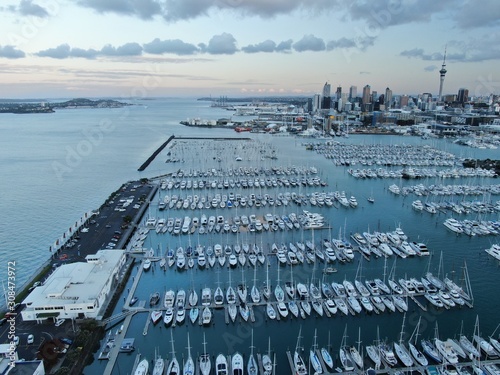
[(431, 68), (64, 51), (380, 14), (285, 46), (473, 14), (175, 46), (128, 49), (27, 8), (144, 9), (309, 43), (223, 44), (269, 46), (10, 52), (340, 43), (363, 73), (176, 10), (265, 46)]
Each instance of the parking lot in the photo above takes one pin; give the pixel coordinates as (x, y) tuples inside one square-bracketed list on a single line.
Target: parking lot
[(108, 228)]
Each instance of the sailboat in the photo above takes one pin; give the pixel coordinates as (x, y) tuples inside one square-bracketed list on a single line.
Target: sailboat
[(173, 367), (313, 357), (400, 348), (252, 368), (371, 199), (345, 358), (254, 292), (430, 349), (278, 290), (142, 367), (417, 355), (374, 353), (354, 352), (188, 368), (267, 364), (298, 363), (266, 291), (325, 354), (205, 363), (159, 366)]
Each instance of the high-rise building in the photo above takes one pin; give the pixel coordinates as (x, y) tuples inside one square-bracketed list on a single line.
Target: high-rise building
[(388, 98), (339, 92), (374, 97), (366, 95), (463, 95), (326, 100), (353, 93), (316, 102), (326, 90), (442, 73), (404, 101)]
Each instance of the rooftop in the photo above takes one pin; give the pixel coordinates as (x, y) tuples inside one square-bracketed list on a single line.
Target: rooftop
[(78, 282)]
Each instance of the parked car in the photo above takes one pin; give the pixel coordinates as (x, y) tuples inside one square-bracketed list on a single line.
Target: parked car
[(59, 322), (30, 339)]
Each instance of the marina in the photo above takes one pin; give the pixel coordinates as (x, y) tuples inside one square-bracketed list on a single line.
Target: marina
[(281, 247), (384, 214)]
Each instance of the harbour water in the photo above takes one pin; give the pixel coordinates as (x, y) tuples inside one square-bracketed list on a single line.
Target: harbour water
[(58, 166)]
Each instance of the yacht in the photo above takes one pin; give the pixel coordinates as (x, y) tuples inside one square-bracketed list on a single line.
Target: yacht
[(221, 366), (447, 352), (142, 367), (345, 359), (159, 366), (271, 312), (156, 316), (388, 355), (453, 225), (374, 355), (169, 316), (206, 316), (430, 351), (237, 364), (469, 346)]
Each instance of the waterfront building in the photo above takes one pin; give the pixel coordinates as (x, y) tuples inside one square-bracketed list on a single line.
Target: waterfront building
[(76, 290)]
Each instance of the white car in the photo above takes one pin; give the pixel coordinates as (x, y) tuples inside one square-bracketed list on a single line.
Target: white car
[(16, 340), (31, 339), (59, 322)]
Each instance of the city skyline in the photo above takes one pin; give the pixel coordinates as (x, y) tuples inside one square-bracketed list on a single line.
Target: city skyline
[(96, 48)]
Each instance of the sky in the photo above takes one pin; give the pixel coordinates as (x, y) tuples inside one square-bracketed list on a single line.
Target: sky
[(150, 48)]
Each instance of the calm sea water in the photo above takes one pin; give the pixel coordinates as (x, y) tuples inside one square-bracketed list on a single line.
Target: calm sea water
[(57, 166)]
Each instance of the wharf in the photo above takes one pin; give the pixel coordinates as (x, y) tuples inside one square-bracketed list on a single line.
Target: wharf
[(115, 350)]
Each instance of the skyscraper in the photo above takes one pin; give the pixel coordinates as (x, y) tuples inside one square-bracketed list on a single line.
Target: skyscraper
[(326, 100), (463, 95), (366, 95), (339, 92), (353, 93), (388, 98), (326, 90), (442, 73)]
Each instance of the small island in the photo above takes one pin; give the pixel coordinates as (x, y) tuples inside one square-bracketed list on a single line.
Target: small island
[(22, 107)]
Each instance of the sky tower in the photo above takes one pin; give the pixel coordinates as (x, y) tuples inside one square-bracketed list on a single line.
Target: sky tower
[(442, 73)]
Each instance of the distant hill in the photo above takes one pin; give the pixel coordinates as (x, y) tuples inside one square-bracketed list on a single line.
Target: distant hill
[(20, 107)]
